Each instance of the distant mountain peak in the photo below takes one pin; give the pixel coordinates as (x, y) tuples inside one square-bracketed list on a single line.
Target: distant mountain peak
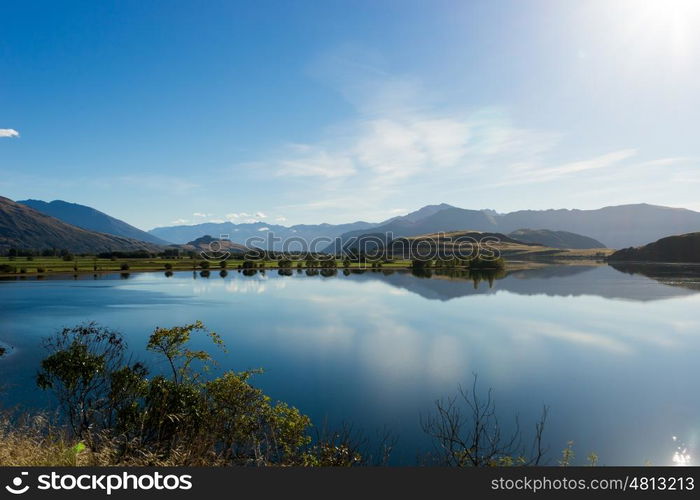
[(91, 219), (21, 226)]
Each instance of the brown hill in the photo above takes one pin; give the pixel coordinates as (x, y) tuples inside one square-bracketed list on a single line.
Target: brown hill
[(24, 228), (681, 248)]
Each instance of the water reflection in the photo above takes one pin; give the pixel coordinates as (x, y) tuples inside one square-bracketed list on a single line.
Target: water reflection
[(681, 456), (680, 275), (616, 364)]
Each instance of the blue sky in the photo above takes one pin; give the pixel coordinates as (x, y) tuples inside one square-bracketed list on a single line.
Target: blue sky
[(309, 111)]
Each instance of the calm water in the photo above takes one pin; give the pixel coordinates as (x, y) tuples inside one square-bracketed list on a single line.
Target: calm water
[(615, 355)]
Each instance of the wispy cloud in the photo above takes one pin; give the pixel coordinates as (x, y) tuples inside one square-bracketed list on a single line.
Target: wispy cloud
[(8, 132), (533, 173), (407, 139)]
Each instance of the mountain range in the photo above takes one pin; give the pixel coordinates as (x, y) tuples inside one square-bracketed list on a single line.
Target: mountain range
[(91, 219), (240, 233), (615, 227), (25, 228)]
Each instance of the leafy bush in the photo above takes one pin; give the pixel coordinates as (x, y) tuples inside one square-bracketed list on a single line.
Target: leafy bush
[(111, 401), (124, 266)]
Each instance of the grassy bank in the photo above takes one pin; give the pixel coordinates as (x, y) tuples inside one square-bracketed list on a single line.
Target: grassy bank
[(39, 266), (53, 265)]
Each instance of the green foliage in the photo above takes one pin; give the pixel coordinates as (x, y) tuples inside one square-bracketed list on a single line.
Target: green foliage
[(484, 263), (79, 370), (172, 344), (168, 266), (567, 454), (204, 264), (124, 266), (109, 401)]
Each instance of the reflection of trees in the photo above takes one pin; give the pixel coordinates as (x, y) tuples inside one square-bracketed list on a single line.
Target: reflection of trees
[(476, 276), (679, 275)]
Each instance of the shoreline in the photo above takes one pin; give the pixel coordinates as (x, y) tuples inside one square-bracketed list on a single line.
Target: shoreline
[(515, 265)]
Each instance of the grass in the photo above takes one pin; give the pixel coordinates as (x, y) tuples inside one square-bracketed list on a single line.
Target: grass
[(40, 266), (35, 442), (56, 265)]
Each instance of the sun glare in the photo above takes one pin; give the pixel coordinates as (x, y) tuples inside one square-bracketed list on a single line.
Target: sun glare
[(667, 25)]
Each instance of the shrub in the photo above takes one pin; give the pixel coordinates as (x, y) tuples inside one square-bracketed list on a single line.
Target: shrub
[(168, 266), (483, 263), (179, 416), (40, 270), (124, 266), (204, 264)]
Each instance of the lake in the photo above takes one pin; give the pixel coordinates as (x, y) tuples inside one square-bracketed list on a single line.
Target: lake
[(613, 354)]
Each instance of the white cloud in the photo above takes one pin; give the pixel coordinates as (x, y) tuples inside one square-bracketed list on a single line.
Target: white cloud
[(260, 215), (315, 161), (264, 229), (532, 173), (178, 222), (239, 215), (201, 215), (8, 132), (280, 219), (407, 139)]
